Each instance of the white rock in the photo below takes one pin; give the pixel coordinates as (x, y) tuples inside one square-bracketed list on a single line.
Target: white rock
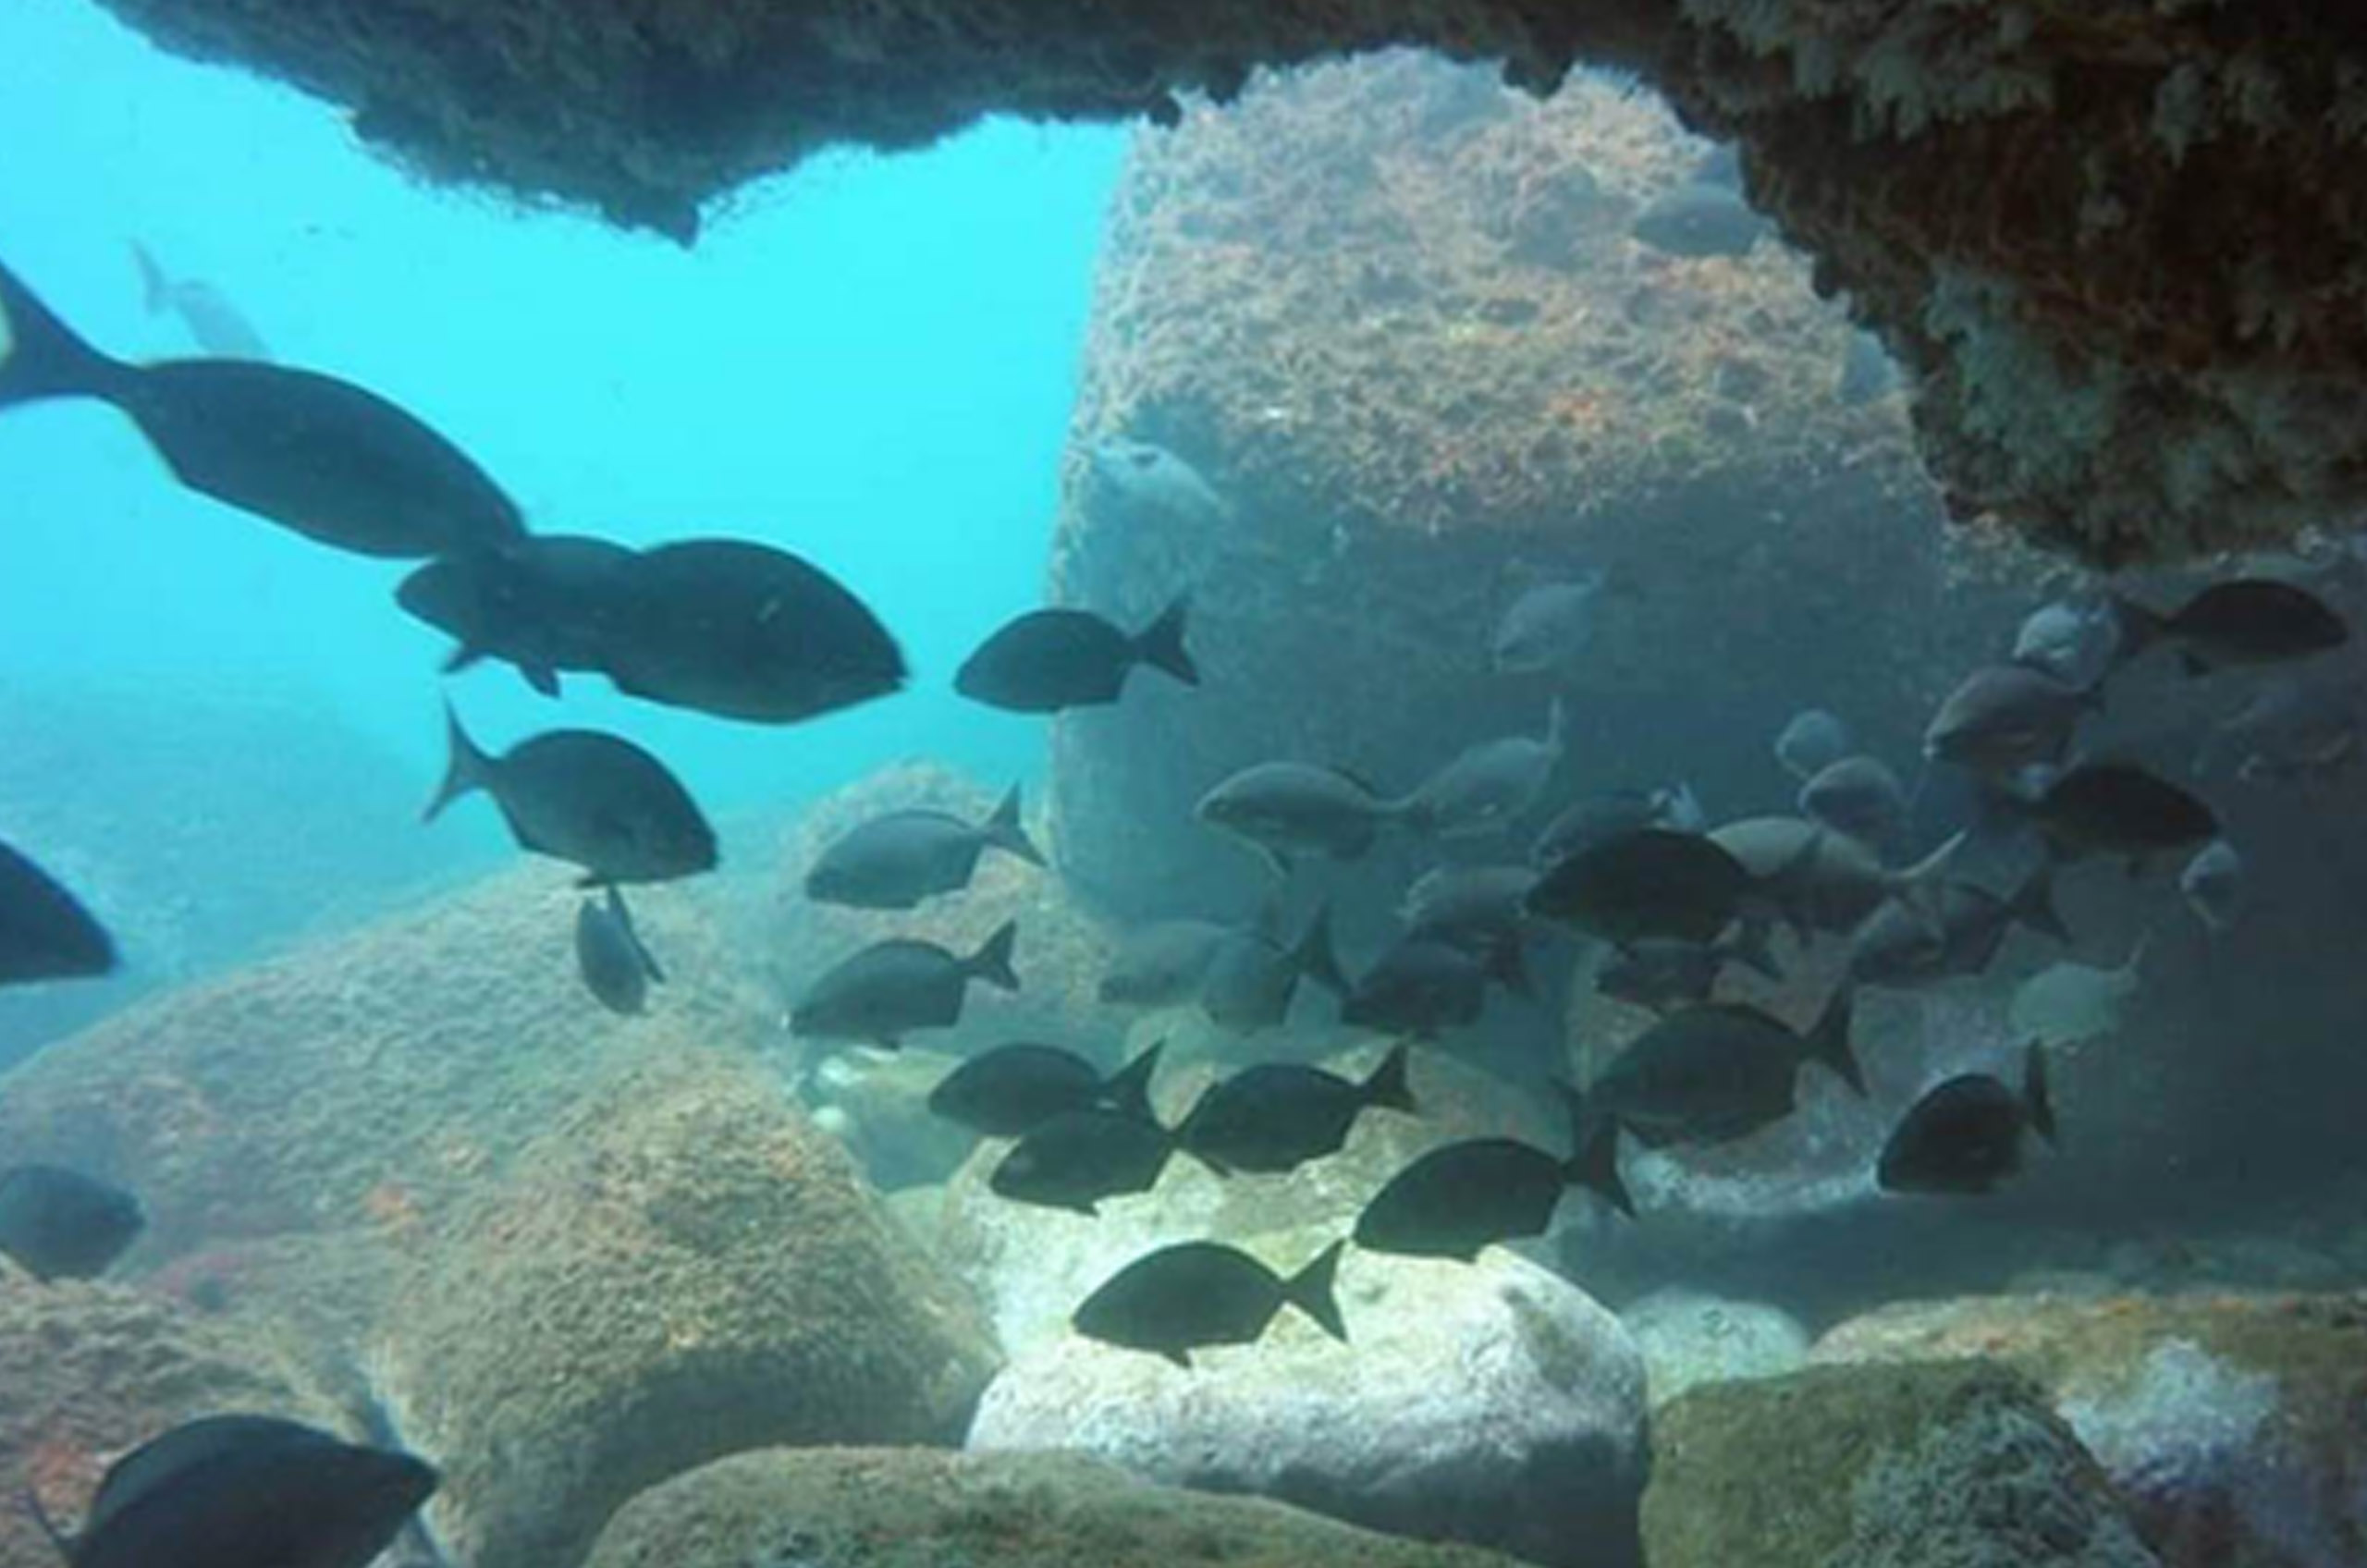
[(1689, 1339)]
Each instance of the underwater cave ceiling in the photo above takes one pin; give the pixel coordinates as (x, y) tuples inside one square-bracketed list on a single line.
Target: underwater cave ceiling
[(2121, 243)]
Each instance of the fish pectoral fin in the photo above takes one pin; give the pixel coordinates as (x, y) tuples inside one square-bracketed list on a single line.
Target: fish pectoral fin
[(1177, 1356), (541, 678)]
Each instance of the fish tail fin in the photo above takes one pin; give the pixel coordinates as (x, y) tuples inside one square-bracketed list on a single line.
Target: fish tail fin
[(1162, 642), (1596, 1166), (1829, 1041), (1005, 831), (991, 962), (1749, 948), (1388, 1084), (2038, 1095), (1128, 1091), (155, 289), (466, 769), (1315, 956), (2033, 907), (2137, 626), (1312, 1290), (40, 357), (541, 678)]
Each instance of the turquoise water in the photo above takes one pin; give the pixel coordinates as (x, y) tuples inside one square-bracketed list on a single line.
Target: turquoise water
[(870, 363)]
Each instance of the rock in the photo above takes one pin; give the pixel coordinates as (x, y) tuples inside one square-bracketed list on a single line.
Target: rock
[(1956, 1464), (1688, 1340), (90, 1371), (679, 1267), (1492, 1403), (875, 1102), (2231, 1422), (842, 1508)]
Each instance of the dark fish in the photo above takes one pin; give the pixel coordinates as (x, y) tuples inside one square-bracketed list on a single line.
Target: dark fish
[(615, 967), (1662, 974), (1965, 1137), (1278, 1116), (1811, 740), (1548, 628), (1011, 1090), (1613, 814), (314, 454), (1714, 1073), (1487, 787), (45, 934), (1858, 795), (1422, 987), (1812, 876), (1186, 1298), (546, 603), (2007, 717), (1648, 882), (1251, 978), (2116, 809), (1079, 1158), (217, 326), (1048, 660), (238, 1491), (1163, 964), (892, 989), (1480, 908), (1461, 1197), (59, 1224), (1156, 484), (894, 862), (1699, 220), (742, 630), (1954, 931), (1283, 809), (2250, 620), (582, 796)]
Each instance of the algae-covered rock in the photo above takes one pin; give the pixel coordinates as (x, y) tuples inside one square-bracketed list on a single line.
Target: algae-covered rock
[(89, 1371), (2232, 1423), (679, 1267), (1954, 1465), (1493, 1404), (906, 1508)]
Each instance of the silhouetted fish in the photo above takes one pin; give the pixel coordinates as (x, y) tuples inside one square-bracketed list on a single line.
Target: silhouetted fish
[(892, 989), (617, 969), (1048, 660), (1648, 883), (1195, 1294), (217, 326), (546, 603), (1277, 1116), (1965, 1137), (45, 934), (895, 860), (2116, 808), (1714, 1073), (2250, 620), (1252, 978), (1011, 1090), (1461, 1197), (1284, 809), (1079, 1158), (1612, 814), (1422, 986), (1955, 929), (60, 1224), (312, 453)]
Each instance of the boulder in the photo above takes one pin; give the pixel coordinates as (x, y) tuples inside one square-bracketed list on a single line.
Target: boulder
[(1493, 1404), (678, 1269), (2231, 1422), (852, 1508), (1688, 1340), (1955, 1464)]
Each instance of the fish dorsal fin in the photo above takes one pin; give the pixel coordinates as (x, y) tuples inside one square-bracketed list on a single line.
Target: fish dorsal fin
[(165, 1459)]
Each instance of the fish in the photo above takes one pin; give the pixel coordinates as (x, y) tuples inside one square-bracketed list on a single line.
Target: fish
[(2290, 730), (1717, 1073), (2070, 1004), (231, 1491), (1548, 628), (1195, 1294), (582, 796), (1965, 1137), (1011, 1090), (59, 1224), (2007, 717), (2074, 644), (2213, 884), (617, 968), (324, 458), (1867, 369), (215, 325), (1286, 809), (2248, 620), (1079, 1158), (1811, 740), (1596, 818), (1661, 974), (45, 934), (1049, 660), (1422, 987), (901, 859), (1252, 979), (546, 603), (1956, 932), (1697, 220), (1278, 1116), (738, 630), (1154, 482), (1814, 878), (1478, 908), (898, 986), (2114, 809), (1162, 964), (1489, 786), (1462, 1197), (1859, 796), (1648, 883)]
